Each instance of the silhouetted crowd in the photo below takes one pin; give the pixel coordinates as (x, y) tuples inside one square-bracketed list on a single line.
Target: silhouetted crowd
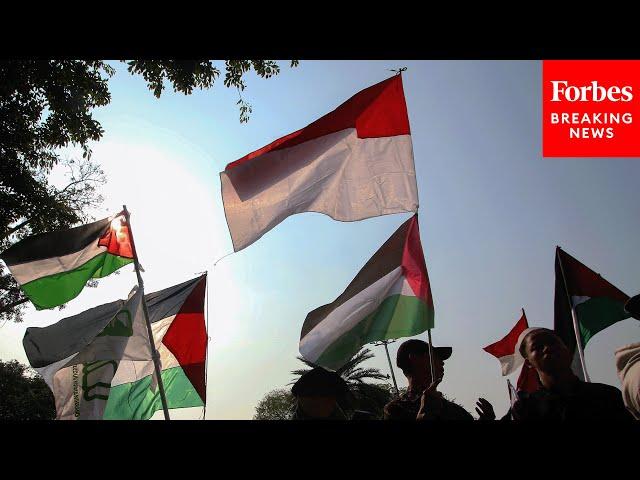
[(561, 395)]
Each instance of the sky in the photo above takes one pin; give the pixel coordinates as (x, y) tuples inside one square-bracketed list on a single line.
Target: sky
[(492, 211)]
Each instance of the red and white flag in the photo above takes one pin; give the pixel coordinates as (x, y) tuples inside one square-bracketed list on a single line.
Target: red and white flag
[(528, 380), (353, 163), (506, 350)]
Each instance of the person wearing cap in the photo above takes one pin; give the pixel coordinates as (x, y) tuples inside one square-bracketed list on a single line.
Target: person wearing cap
[(423, 401), (628, 365), (318, 395), (562, 395)]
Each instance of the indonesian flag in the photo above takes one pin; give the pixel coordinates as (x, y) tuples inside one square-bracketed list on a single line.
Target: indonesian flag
[(53, 268), (596, 302), (507, 349), (528, 380), (389, 298), (354, 163)]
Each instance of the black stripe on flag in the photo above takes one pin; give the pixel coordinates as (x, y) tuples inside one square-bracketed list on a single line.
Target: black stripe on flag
[(54, 244), (385, 260), (46, 345)]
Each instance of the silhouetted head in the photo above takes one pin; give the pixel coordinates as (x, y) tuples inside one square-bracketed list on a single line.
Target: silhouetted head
[(318, 392), (545, 351), (413, 359)]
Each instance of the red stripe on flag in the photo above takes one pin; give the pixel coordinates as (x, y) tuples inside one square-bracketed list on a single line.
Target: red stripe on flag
[(117, 239), (186, 338), (507, 345), (528, 380), (413, 265), (377, 111)]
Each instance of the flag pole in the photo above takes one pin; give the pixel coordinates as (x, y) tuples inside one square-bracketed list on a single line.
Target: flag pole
[(393, 376), (206, 353), (574, 319), (433, 374), (154, 352)]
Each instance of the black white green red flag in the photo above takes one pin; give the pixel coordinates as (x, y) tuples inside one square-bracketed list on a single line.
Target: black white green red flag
[(98, 363), (596, 302), (389, 298), (53, 268)]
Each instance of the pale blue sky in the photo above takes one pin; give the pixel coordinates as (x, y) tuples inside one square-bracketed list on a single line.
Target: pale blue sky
[(492, 211)]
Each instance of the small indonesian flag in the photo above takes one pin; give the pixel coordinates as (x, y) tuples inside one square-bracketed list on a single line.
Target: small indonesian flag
[(53, 268), (354, 163), (528, 380), (389, 298), (507, 349)]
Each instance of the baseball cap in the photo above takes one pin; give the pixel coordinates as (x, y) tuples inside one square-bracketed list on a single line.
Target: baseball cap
[(416, 346)]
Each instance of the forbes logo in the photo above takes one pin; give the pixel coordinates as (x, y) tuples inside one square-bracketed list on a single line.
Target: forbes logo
[(589, 93)]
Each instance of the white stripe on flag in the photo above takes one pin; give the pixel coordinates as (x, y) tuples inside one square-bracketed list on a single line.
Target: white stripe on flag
[(343, 176), (27, 272), (347, 315)]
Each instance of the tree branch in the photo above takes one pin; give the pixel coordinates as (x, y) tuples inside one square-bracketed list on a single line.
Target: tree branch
[(17, 227), (6, 308)]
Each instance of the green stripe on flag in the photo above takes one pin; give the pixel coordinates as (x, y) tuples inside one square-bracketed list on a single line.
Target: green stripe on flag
[(136, 401), (598, 313), (59, 288), (398, 316)]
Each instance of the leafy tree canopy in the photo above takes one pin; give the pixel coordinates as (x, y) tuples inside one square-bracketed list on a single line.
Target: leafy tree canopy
[(363, 395), (25, 395), (276, 405), (46, 105)]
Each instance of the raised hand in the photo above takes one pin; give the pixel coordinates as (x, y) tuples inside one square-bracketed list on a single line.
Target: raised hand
[(484, 409), (430, 401)]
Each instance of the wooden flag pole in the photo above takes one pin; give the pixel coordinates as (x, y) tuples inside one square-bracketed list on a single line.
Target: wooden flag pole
[(154, 353), (574, 318)]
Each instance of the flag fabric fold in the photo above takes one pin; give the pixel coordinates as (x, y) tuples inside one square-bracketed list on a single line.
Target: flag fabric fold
[(506, 349), (353, 163), (596, 302), (53, 268), (389, 298), (98, 363)]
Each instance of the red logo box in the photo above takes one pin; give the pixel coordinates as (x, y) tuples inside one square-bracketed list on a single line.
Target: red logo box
[(590, 108)]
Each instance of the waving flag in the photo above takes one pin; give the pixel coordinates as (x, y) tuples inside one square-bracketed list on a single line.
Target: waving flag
[(53, 268), (506, 350), (597, 304), (98, 363), (389, 298), (354, 163)]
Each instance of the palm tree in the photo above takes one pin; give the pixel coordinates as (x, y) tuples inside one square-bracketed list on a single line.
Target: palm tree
[(363, 395)]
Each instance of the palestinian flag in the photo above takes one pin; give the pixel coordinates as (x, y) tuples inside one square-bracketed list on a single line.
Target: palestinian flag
[(389, 298), (98, 363), (507, 349), (597, 304), (353, 163), (53, 268)]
